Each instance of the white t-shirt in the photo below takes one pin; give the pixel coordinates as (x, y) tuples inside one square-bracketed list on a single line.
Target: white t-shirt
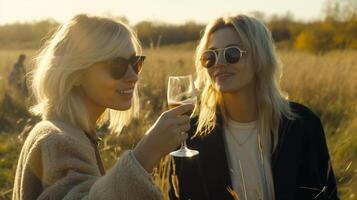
[(249, 166)]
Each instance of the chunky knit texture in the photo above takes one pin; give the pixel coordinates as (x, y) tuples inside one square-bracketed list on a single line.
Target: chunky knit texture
[(57, 161)]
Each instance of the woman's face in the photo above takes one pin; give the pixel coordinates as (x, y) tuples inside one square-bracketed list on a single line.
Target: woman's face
[(229, 78), (103, 91)]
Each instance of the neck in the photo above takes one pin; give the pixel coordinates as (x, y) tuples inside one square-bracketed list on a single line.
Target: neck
[(94, 113), (94, 110), (241, 105)]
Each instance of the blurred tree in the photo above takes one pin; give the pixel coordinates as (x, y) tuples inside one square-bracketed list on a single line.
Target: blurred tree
[(26, 36), (280, 26), (259, 15), (305, 41), (340, 10), (337, 30), (156, 34), (118, 18)]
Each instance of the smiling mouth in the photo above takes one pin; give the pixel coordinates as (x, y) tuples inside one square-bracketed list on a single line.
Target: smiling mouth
[(129, 91)]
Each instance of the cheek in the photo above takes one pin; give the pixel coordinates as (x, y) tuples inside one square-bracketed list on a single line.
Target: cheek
[(104, 89), (100, 87), (244, 65), (249, 69), (245, 74)]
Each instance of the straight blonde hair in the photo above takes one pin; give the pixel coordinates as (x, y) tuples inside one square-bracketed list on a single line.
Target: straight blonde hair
[(74, 47), (272, 103)]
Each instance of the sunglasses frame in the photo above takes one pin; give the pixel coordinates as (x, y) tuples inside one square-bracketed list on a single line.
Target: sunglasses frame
[(132, 62), (215, 52)]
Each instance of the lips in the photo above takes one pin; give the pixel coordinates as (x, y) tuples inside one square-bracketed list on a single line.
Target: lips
[(221, 74)]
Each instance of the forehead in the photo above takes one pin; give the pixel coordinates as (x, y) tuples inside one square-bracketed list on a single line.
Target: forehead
[(224, 37)]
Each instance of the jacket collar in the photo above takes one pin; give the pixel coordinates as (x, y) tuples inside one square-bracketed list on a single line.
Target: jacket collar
[(213, 162)]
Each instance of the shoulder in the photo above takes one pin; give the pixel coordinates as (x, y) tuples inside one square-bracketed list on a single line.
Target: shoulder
[(31, 152), (304, 114), (59, 144), (306, 122), (55, 134), (41, 131)]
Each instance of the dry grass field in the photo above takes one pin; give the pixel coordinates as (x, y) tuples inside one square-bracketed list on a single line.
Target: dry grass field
[(326, 83)]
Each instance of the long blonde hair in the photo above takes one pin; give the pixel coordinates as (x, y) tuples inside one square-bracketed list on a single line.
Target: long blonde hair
[(271, 101), (75, 46)]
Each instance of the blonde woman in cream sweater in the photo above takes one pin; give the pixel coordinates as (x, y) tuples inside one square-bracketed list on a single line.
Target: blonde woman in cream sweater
[(86, 75)]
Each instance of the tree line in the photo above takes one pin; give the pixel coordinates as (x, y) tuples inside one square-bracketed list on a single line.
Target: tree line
[(337, 30)]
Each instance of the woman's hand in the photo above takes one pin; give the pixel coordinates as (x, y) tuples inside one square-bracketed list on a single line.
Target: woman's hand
[(164, 136)]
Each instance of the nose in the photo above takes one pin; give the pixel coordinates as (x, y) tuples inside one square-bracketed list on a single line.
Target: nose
[(130, 75), (220, 59)]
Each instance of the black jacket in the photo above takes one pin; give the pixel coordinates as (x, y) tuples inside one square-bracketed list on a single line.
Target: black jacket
[(301, 165)]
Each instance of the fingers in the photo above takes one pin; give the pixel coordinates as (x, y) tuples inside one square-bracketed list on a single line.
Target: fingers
[(181, 137), (178, 128), (184, 127), (180, 110), (183, 119), (182, 122)]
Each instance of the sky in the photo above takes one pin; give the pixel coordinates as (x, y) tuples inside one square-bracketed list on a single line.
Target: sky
[(170, 11)]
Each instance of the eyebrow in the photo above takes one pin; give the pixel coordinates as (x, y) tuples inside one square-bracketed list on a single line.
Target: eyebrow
[(230, 45)]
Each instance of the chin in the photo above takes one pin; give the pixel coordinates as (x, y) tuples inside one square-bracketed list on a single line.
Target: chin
[(122, 107), (226, 88), (231, 87)]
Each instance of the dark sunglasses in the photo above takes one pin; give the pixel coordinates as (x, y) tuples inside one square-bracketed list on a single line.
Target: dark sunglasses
[(119, 66), (231, 54)]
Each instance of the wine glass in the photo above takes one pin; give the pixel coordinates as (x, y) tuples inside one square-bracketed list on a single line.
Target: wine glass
[(180, 91)]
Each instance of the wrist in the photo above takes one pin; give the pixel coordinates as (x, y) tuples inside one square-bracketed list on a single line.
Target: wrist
[(147, 159)]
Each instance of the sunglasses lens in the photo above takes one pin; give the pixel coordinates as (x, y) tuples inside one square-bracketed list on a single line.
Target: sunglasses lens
[(118, 68), (137, 67), (117, 72), (137, 63), (208, 59), (232, 55)]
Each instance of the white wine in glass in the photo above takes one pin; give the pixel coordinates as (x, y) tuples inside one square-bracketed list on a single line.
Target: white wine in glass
[(180, 90)]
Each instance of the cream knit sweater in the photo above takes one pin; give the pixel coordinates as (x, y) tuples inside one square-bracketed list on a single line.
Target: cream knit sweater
[(57, 161)]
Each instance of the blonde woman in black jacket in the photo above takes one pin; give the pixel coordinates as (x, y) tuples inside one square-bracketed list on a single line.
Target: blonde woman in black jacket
[(253, 142)]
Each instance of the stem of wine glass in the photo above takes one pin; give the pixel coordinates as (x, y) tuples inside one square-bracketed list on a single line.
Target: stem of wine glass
[(183, 145)]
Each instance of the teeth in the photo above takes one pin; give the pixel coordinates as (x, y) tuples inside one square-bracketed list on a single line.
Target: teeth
[(126, 91)]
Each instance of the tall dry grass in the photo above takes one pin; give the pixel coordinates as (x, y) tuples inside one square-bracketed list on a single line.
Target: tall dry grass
[(325, 83)]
